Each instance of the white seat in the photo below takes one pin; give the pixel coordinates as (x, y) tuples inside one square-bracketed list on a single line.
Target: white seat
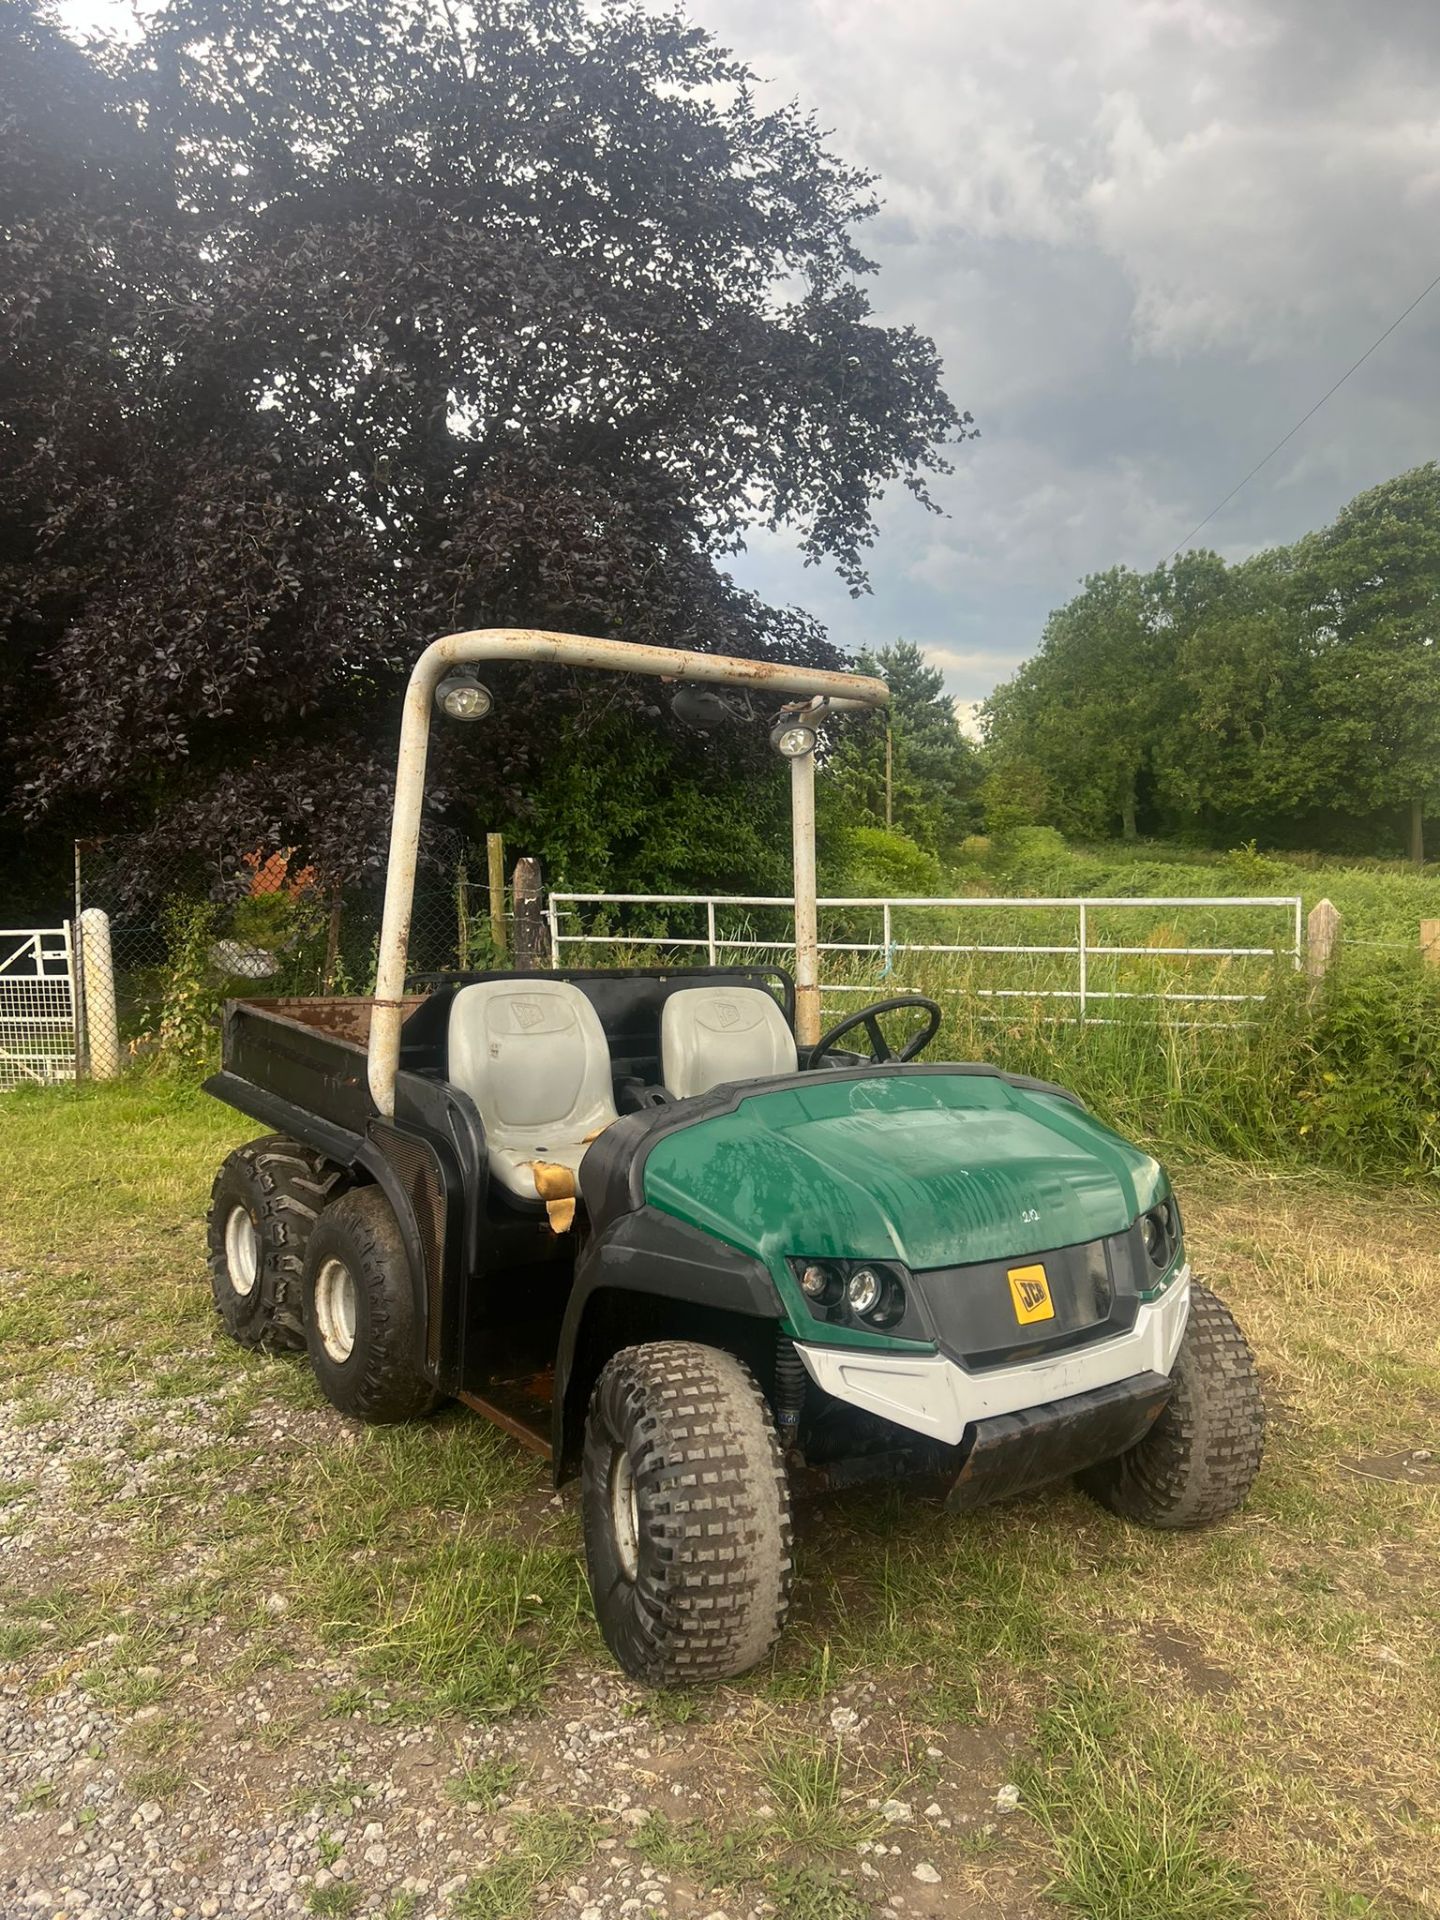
[(710, 1035), (532, 1056)]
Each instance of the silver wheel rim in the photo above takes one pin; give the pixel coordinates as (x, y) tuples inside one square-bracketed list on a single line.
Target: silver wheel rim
[(242, 1252), (335, 1309), (625, 1514)]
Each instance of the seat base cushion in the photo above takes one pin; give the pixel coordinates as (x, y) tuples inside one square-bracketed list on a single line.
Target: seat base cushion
[(513, 1167)]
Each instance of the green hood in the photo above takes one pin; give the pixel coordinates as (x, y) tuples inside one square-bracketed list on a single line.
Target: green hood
[(931, 1168)]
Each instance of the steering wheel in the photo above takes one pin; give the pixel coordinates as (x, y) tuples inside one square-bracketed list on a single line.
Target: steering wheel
[(869, 1019)]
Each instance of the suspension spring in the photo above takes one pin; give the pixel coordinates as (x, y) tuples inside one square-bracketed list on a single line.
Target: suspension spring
[(790, 1379)]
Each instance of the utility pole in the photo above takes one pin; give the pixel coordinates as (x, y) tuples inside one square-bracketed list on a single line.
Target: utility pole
[(889, 775)]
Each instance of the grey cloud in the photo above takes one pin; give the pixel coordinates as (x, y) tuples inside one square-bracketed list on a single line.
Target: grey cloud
[(1147, 235)]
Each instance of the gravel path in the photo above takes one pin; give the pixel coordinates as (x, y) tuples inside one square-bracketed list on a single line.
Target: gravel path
[(146, 1775)]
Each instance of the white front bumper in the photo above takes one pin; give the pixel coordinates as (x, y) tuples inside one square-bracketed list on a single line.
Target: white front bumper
[(932, 1395)]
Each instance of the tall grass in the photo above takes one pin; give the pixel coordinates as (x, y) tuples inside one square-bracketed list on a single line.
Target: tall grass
[(1346, 1075)]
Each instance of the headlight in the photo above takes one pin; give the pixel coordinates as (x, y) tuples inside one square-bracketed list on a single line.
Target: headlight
[(865, 1291), (862, 1292), (819, 1282), (792, 741), (1160, 1230)]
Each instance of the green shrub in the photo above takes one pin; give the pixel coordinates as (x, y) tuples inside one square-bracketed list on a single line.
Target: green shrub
[(879, 861), (191, 993), (1251, 870), (1371, 1096)]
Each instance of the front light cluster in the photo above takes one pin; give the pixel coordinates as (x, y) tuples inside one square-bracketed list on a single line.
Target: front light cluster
[(1160, 1230), (869, 1293)]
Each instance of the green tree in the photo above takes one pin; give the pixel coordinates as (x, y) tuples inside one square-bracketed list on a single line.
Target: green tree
[(1245, 758), (1296, 695), (925, 785), (1087, 710), (1374, 606)]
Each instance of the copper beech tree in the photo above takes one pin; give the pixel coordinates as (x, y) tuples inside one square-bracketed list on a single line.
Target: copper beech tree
[(324, 329)]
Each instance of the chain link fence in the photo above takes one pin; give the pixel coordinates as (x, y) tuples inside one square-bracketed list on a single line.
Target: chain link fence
[(162, 947)]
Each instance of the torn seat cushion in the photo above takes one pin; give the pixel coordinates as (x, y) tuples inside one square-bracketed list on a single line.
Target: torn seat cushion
[(532, 1056)]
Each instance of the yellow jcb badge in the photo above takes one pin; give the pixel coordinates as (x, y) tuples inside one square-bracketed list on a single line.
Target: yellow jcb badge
[(1030, 1291)]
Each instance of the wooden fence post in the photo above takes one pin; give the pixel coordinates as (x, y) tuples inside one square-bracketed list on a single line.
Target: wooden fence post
[(1430, 942), (530, 944), (1322, 939), (495, 856)]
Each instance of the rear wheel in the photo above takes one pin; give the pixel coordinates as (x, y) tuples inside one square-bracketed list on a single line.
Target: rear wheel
[(687, 1514), (1200, 1458), (360, 1311), (263, 1207)]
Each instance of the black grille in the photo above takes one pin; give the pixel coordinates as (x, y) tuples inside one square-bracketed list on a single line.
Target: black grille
[(971, 1310)]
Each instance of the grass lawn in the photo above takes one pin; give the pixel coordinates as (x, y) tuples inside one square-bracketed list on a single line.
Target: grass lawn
[(1239, 1722)]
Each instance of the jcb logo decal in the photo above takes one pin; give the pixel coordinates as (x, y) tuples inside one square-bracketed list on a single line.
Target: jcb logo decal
[(1030, 1291)]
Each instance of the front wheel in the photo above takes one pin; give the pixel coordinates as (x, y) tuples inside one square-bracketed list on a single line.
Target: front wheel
[(686, 1512), (360, 1311), (1200, 1458)]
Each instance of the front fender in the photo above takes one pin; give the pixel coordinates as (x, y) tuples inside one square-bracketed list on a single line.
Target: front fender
[(649, 1258)]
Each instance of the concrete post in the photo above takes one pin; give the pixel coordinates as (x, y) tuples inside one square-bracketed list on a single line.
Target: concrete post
[(102, 1021)]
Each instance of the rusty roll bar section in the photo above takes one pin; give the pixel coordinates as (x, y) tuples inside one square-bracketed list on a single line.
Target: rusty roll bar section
[(835, 690)]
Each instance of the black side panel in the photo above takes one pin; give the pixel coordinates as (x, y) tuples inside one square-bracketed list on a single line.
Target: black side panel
[(438, 1145), (418, 1191), (315, 1071), (605, 1184), (651, 1253), (283, 1116)]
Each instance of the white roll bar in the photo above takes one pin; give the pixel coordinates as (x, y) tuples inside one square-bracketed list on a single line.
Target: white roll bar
[(837, 690)]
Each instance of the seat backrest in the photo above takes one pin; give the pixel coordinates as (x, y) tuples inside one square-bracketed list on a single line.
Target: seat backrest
[(709, 1035), (533, 1058)]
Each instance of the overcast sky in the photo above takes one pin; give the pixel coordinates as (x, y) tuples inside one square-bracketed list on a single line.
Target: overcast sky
[(1147, 235)]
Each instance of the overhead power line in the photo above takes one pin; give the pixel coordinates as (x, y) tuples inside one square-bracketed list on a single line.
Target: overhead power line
[(1397, 321)]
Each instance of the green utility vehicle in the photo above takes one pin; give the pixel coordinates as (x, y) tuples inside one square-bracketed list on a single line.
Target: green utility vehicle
[(666, 1232)]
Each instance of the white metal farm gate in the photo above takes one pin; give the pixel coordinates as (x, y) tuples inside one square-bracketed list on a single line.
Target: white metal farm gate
[(1082, 977), (37, 1006)]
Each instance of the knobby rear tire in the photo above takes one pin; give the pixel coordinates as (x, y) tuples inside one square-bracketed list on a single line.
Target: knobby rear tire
[(377, 1379), (282, 1188)]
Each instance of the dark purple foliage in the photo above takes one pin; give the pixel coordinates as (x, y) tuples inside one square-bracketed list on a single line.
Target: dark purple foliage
[(324, 330)]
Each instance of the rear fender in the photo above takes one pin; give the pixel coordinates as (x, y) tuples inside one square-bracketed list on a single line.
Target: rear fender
[(431, 1166)]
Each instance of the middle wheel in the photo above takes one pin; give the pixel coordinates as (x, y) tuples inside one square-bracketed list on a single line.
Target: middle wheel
[(686, 1510), (360, 1313)]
